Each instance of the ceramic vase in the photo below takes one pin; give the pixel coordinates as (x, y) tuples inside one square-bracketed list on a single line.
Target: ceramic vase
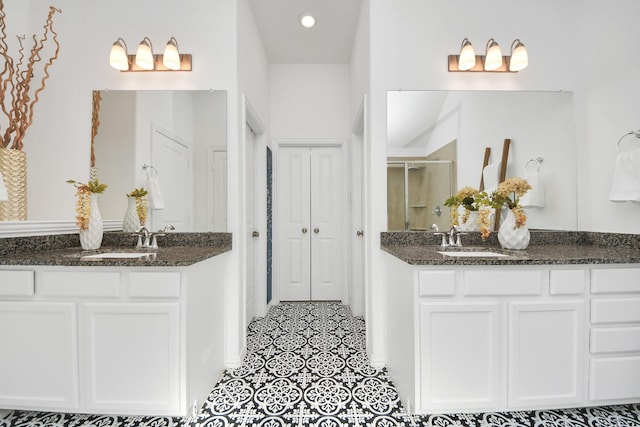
[(131, 221), (13, 167), (510, 236), (472, 223), (91, 238)]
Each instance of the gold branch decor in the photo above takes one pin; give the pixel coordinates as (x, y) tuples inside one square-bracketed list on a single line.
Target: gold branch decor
[(20, 86)]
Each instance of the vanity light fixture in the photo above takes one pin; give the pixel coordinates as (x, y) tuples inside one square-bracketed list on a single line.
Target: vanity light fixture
[(492, 61), (146, 60), (519, 59), (467, 58)]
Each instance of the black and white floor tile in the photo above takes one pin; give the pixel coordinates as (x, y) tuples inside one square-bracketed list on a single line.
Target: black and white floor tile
[(306, 366)]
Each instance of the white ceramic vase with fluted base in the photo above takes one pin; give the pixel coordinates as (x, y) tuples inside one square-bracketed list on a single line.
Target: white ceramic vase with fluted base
[(131, 221), (472, 223), (91, 238), (510, 236)]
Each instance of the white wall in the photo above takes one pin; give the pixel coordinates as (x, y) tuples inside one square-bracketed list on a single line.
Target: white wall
[(57, 144), (310, 101), (579, 46)]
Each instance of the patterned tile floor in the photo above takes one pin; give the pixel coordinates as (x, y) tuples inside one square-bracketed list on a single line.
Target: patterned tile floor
[(306, 366)]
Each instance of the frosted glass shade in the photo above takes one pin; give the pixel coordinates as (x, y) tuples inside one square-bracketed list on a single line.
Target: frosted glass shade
[(118, 58), (493, 59), (467, 59), (519, 57), (144, 55), (171, 56)]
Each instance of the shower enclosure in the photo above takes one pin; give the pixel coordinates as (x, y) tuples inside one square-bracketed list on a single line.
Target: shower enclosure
[(416, 192)]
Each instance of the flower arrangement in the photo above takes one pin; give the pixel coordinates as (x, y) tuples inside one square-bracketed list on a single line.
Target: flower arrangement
[(466, 197), (507, 195), (140, 194), (83, 200), (17, 100)]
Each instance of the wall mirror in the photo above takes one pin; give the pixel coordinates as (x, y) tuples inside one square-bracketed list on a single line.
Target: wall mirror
[(436, 142), (176, 137)]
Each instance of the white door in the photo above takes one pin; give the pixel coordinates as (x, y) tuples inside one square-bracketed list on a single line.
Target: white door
[(311, 211), (294, 211), (356, 207), (250, 214), (171, 156)]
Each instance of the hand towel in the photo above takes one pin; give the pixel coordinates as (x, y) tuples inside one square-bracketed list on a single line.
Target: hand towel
[(156, 200), (4, 197), (626, 178), (491, 177), (533, 198)]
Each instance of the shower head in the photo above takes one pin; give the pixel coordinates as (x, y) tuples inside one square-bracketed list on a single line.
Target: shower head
[(413, 167)]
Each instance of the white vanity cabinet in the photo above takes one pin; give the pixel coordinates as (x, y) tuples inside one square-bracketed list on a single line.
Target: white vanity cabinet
[(112, 340), (614, 362), (499, 338)]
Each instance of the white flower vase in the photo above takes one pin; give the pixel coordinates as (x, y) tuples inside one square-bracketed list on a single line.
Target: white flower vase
[(472, 223), (510, 236), (91, 238), (131, 221)]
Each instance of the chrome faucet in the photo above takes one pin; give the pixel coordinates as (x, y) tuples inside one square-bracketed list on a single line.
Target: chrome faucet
[(148, 239), (451, 238)]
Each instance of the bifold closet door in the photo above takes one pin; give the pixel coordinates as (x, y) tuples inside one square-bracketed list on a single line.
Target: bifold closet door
[(310, 198)]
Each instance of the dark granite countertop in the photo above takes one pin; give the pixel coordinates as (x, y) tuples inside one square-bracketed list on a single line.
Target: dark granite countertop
[(546, 247), (176, 249)]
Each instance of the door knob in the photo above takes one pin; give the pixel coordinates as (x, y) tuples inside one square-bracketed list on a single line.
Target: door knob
[(304, 230), (359, 233), (316, 230), (255, 234)]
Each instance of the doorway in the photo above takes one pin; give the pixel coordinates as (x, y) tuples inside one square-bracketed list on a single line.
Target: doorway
[(312, 211)]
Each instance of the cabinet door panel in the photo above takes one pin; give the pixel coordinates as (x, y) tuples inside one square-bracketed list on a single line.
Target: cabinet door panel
[(546, 349), (38, 360), (459, 356), (614, 378), (131, 357)]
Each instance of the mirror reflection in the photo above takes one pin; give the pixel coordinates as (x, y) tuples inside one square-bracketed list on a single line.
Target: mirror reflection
[(172, 143), (436, 143)]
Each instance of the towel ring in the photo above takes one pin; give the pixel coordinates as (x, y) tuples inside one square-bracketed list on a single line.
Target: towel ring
[(537, 160), (147, 168), (632, 132)]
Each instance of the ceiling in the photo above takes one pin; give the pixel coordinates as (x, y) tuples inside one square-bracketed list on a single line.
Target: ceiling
[(287, 42)]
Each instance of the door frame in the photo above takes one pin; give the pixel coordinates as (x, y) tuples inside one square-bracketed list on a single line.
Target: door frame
[(251, 118), (309, 142)]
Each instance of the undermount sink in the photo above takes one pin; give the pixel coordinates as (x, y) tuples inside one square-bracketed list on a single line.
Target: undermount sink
[(472, 254), (112, 255)]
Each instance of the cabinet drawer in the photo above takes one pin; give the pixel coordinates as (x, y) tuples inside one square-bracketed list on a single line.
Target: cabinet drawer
[(154, 284), (503, 282), (437, 283), (79, 284), (16, 283), (614, 378), (615, 280), (615, 310), (613, 340), (567, 282)]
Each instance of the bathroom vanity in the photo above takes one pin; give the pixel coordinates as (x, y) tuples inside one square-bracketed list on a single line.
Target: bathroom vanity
[(557, 325), (138, 336)]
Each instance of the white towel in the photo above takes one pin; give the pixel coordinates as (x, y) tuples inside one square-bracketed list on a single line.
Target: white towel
[(156, 200), (491, 177), (626, 178), (4, 197), (533, 198)]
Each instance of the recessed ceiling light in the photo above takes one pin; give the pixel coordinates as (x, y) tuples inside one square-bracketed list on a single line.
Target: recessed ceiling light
[(307, 20)]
